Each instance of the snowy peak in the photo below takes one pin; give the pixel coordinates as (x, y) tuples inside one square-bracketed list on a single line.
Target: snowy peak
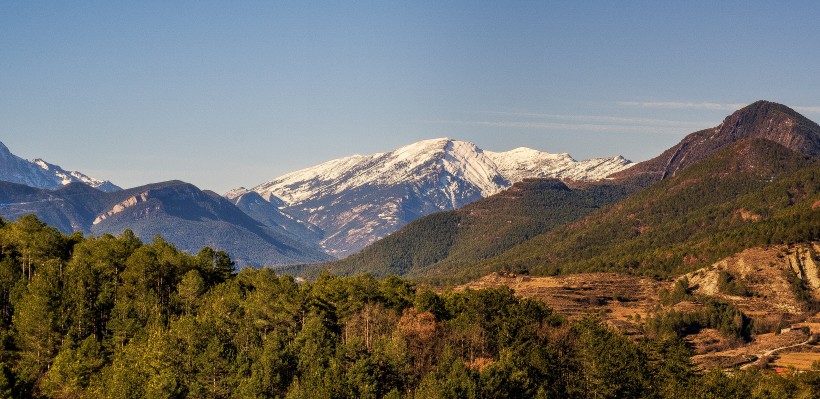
[(236, 193), (357, 199), (521, 163), (412, 162), (489, 172), (41, 174), (68, 177)]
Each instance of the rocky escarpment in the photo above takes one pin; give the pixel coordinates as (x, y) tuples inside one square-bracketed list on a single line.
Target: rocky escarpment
[(764, 280)]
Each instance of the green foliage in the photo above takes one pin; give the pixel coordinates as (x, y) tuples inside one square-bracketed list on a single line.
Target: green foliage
[(755, 193), (680, 292), (727, 283), (441, 246), (720, 315), (112, 317), (613, 367), (798, 287)]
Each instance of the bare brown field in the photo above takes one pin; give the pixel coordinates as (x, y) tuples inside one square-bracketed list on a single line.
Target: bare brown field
[(798, 360), (712, 350), (622, 300)]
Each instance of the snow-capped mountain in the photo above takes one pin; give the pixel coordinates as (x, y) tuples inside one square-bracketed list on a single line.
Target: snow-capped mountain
[(359, 199), (41, 174), (521, 163), (73, 176)]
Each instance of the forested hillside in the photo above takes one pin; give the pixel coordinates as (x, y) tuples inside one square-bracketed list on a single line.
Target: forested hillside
[(747, 182), (486, 228), (112, 317), (753, 193)]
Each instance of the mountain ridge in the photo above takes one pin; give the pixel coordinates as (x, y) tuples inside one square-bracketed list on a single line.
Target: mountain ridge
[(183, 214), (358, 199), (762, 119), (743, 186), (481, 229), (41, 174)]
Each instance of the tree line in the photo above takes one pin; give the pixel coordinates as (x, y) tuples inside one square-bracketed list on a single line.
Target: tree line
[(114, 317)]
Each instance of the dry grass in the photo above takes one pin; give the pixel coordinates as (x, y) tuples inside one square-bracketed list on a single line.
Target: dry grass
[(621, 300), (797, 360)]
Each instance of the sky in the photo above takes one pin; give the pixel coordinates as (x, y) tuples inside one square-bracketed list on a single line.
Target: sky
[(228, 94)]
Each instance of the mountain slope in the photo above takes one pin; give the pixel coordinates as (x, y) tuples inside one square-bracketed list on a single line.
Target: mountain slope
[(68, 208), (358, 199), (480, 230), (754, 192), (761, 119), (184, 215), (745, 190), (41, 174), (269, 214), (192, 218)]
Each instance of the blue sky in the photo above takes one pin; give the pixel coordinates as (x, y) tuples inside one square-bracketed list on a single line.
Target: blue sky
[(227, 94)]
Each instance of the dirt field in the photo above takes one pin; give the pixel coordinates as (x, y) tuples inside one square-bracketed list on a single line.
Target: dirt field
[(712, 350), (799, 360), (621, 300)]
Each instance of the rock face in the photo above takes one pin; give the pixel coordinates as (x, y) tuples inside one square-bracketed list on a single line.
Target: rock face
[(356, 200), (41, 174), (764, 274), (762, 119), (269, 214)]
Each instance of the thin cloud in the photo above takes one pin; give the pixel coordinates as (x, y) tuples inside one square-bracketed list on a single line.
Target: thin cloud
[(704, 105), (566, 126), (605, 119), (683, 105)]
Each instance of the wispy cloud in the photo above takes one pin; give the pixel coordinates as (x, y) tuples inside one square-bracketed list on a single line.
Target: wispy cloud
[(577, 123), (554, 126), (604, 119), (704, 105), (683, 105)]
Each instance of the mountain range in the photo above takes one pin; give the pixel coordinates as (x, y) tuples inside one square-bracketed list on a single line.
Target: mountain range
[(356, 200), (41, 174), (447, 210), (183, 214), (311, 215), (753, 180)]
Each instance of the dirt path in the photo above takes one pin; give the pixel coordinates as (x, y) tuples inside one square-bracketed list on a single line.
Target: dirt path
[(771, 352)]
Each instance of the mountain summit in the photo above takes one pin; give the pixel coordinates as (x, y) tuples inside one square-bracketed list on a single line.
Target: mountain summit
[(751, 181), (359, 199), (761, 119), (41, 174)]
